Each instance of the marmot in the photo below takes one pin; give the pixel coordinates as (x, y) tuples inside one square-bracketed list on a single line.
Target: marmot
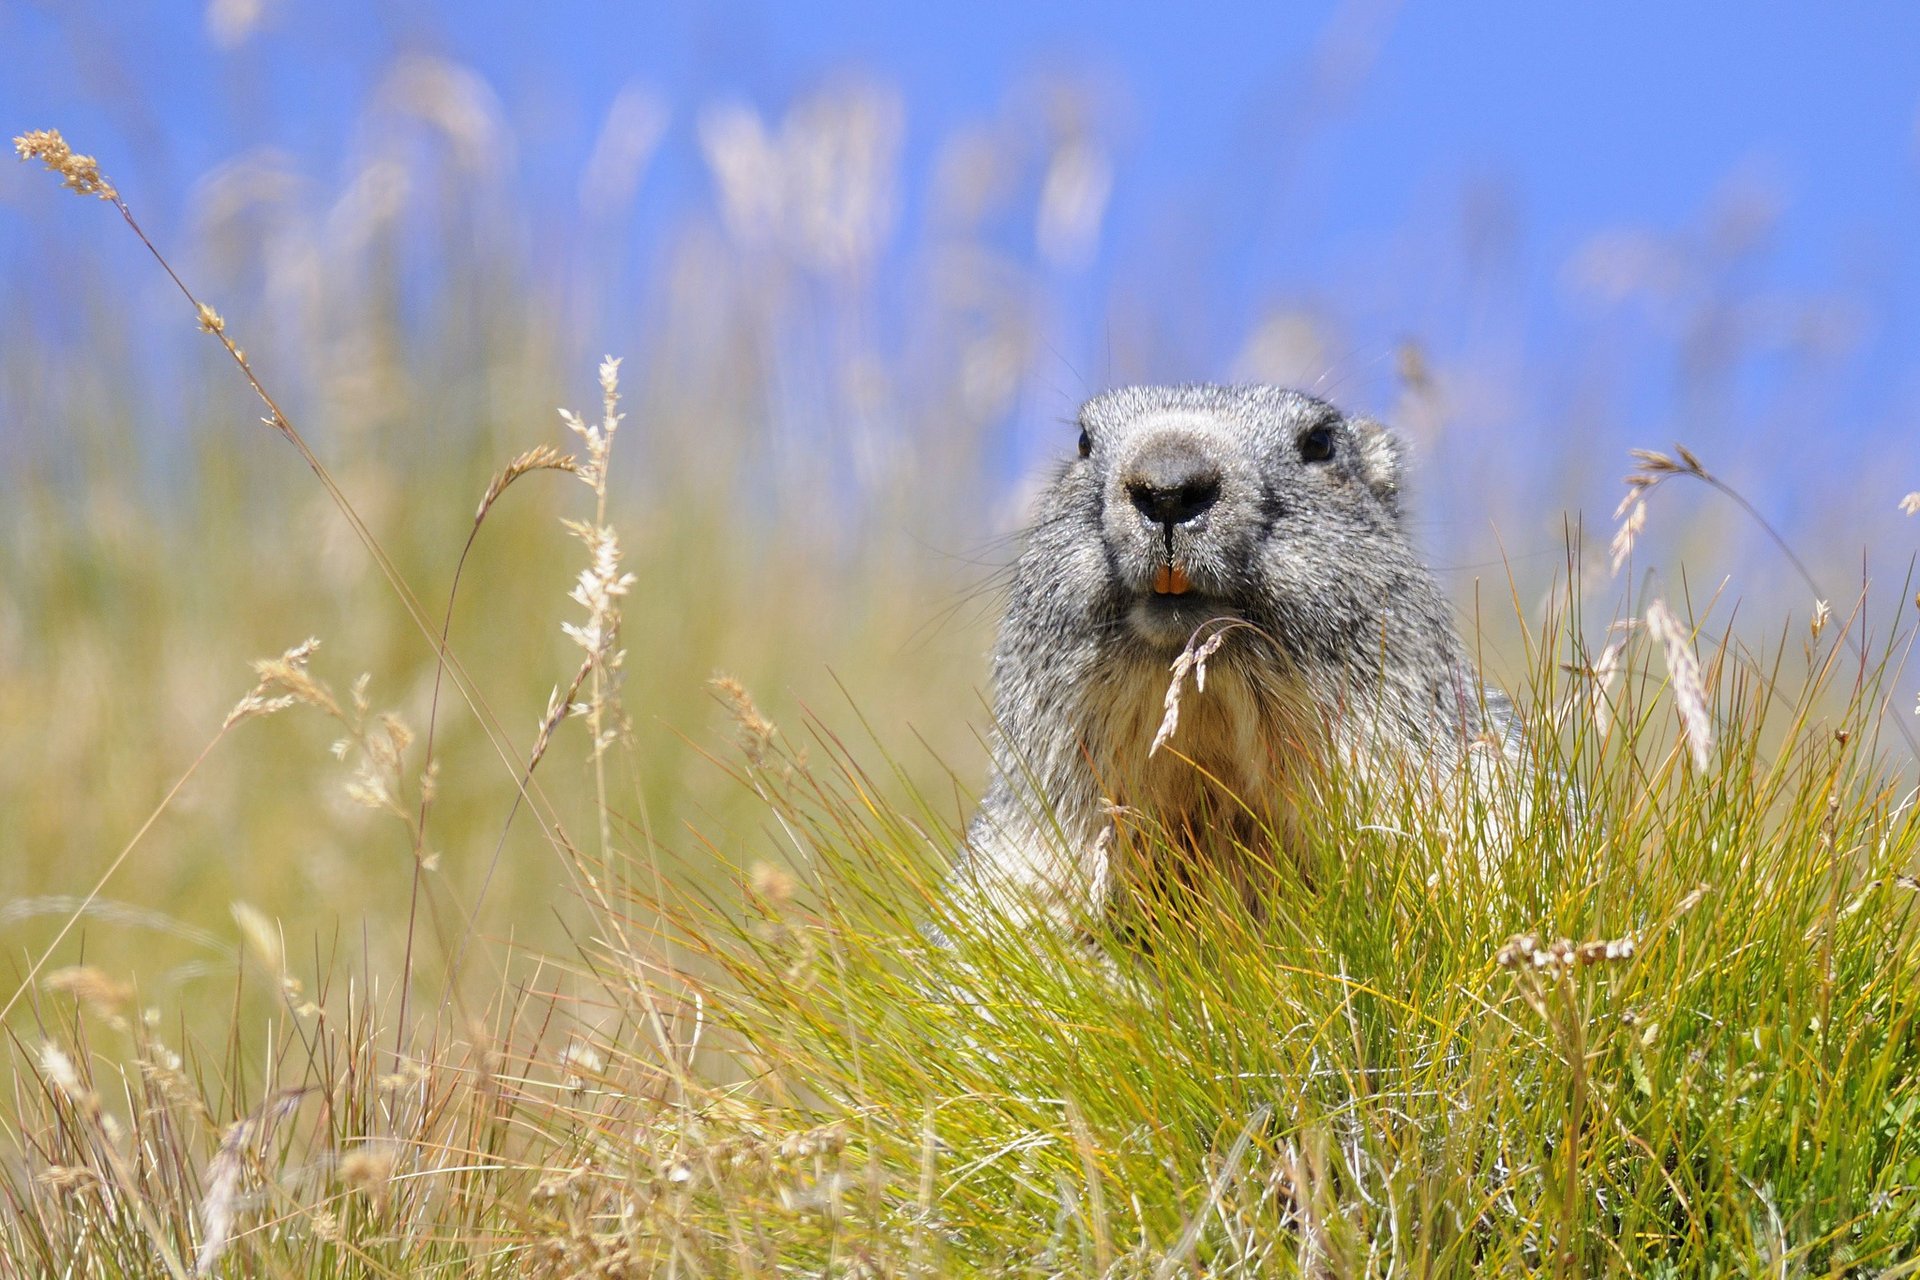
[(1255, 510)]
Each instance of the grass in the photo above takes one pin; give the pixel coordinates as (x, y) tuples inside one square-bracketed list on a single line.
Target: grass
[(1674, 1031)]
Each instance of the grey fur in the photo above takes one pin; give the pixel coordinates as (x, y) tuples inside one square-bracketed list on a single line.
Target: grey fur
[(1351, 651)]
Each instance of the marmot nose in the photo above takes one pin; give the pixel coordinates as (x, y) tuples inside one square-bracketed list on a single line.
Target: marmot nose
[(1172, 491)]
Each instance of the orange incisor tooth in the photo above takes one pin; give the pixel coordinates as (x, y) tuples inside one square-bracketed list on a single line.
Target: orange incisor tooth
[(1171, 580), (1162, 580)]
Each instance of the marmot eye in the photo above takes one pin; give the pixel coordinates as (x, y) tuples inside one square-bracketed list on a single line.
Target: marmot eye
[(1086, 444), (1316, 444)]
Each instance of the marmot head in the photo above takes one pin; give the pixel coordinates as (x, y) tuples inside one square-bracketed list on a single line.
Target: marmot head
[(1188, 504)]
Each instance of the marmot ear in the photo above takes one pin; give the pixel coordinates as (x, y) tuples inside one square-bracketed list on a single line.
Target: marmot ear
[(1382, 460)]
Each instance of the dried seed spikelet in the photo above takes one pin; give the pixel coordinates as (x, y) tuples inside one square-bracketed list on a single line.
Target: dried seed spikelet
[(281, 682), (559, 707), (580, 1062), (376, 782), (1606, 671), (1602, 949), (561, 1182), (1634, 511), (289, 673), (79, 173), (596, 590), (220, 1205), (1524, 951), (272, 674), (262, 937), (540, 458), (1692, 900), (411, 1074), (590, 470), (210, 321), (610, 392), (91, 987), (58, 1068), (598, 439), (1821, 614), (756, 731), (368, 1169), (1689, 696), (160, 1069), (255, 705), (65, 1179), (1192, 659), (1654, 465), (771, 884), (1911, 503)]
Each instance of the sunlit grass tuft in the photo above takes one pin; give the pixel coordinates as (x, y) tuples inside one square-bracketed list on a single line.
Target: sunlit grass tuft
[(1673, 1031)]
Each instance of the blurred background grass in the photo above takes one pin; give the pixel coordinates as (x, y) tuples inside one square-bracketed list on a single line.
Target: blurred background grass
[(861, 269)]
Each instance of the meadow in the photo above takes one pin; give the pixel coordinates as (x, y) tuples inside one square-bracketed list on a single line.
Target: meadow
[(462, 943)]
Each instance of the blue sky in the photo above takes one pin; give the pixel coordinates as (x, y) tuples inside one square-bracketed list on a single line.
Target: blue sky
[(1263, 153)]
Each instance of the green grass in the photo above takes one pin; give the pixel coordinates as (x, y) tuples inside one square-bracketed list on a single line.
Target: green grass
[(1354, 1084), (782, 1075)]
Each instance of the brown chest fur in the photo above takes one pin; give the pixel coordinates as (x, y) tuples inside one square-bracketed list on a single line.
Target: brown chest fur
[(1221, 791)]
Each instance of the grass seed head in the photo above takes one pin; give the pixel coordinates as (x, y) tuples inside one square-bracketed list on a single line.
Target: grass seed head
[(325, 1225), (368, 1169), (1653, 469), (287, 677), (91, 987), (1633, 518), (66, 1179), (580, 1063), (219, 1207), (59, 1069), (1526, 952), (1597, 684), (280, 683), (771, 884), (756, 731), (1192, 659), (79, 173), (262, 937), (1683, 668), (539, 458)]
